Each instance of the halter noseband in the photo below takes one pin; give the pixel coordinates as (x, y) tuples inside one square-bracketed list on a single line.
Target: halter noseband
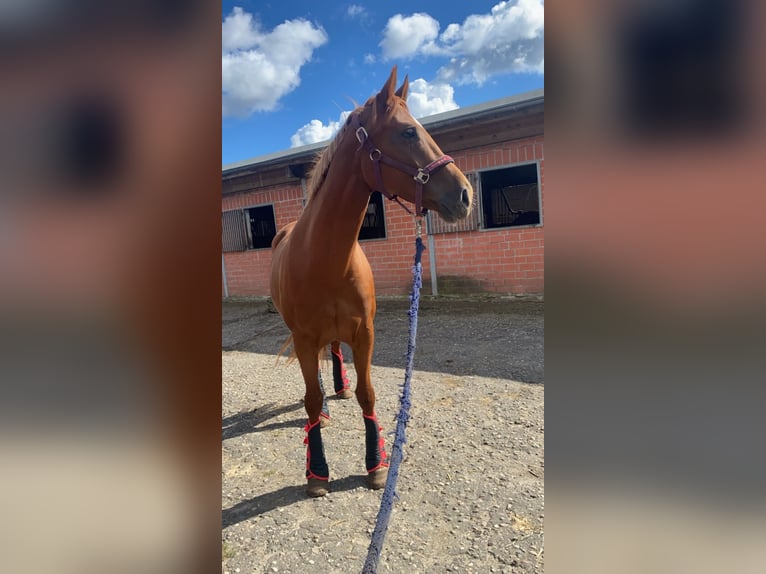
[(421, 175)]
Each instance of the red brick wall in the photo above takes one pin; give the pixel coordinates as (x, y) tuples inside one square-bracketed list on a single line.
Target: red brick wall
[(503, 260), (247, 272)]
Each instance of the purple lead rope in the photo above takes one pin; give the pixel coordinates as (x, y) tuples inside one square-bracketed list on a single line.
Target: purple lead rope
[(397, 451)]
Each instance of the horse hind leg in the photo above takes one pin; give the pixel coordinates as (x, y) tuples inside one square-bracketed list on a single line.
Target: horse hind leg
[(339, 375), (324, 414), (376, 460), (317, 471)]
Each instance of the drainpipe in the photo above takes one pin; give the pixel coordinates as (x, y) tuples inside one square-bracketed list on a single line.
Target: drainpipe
[(432, 259), (225, 281)]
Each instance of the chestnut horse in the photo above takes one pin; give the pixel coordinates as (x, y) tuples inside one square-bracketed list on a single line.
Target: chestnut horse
[(321, 282)]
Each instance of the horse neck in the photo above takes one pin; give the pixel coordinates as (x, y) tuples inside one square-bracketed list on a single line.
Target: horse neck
[(336, 212)]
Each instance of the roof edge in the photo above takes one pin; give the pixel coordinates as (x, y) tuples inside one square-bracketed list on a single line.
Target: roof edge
[(517, 101)]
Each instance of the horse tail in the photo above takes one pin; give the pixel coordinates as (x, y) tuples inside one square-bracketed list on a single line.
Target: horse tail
[(324, 356), (292, 356)]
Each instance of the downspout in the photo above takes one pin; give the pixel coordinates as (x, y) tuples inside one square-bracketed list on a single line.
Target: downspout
[(432, 258), (225, 281)]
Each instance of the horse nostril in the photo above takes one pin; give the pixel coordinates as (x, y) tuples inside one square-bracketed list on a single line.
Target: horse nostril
[(464, 198)]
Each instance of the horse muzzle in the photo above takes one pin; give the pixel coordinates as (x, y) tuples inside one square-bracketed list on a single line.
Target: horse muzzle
[(457, 207)]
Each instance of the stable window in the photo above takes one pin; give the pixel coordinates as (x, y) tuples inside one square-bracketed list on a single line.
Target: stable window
[(252, 228), (263, 227), (234, 232), (374, 224), (510, 197)]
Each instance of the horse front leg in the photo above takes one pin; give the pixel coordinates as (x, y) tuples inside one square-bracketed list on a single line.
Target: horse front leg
[(317, 471), (376, 460)]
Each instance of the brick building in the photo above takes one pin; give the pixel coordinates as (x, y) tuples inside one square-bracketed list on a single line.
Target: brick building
[(499, 248)]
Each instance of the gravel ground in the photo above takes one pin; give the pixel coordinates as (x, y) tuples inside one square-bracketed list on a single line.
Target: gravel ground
[(471, 485)]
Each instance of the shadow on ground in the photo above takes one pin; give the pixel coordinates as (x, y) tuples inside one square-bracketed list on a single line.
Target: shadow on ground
[(499, 338), (283, 497), (252, 421)]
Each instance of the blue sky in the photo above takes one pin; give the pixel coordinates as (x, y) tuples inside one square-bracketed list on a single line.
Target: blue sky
[(290, 67)]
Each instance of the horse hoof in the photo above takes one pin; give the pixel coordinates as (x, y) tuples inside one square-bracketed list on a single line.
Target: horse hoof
[(316, 487), (323, 421), (344, 394), (377, 478)]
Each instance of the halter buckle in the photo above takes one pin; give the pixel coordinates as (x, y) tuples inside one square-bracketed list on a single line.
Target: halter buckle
[(361, 134), (422, 176)]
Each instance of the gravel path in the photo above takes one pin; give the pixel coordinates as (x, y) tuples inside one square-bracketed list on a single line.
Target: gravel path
[(471, 485)]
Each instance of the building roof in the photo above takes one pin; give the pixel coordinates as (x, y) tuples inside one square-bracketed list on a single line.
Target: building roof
[(434, 123)]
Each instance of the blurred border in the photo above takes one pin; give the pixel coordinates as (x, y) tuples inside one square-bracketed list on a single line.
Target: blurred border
[(110, 155), (655, 284)]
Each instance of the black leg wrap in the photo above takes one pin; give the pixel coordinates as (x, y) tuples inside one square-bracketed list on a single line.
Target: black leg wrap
[(339, 372), (375, 456), (316, 464)]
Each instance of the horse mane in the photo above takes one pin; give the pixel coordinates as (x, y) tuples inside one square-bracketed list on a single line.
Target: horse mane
[(318, 171)]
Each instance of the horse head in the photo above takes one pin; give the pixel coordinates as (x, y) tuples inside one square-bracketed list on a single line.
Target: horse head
[(401, 156)]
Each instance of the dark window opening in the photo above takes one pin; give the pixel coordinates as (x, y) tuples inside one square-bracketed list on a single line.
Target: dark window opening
[(374, 224), (263, 227), (510, 196)]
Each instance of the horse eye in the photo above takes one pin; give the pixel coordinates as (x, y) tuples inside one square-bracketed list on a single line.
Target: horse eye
[(410, 133)]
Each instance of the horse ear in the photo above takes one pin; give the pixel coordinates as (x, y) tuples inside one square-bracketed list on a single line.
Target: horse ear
[(386, 93), (402, 91)]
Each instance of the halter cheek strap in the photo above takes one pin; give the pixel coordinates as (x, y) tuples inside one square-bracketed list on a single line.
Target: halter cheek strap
[(421, 175)]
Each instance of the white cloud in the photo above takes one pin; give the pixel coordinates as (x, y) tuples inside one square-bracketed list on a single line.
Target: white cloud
[(260, 67), (510, 38), (406, 36), (355, 10), (369, 59), (423, 99), (316, 131), (239, 31), (426, 99)]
